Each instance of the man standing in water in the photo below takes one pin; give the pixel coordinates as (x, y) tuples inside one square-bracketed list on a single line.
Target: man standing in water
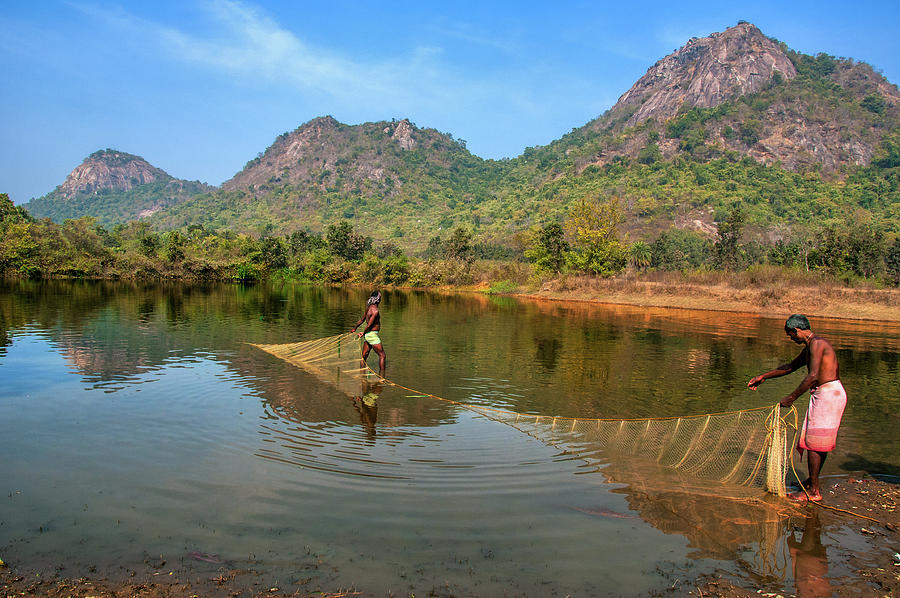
[(372, 318), (826, 403)]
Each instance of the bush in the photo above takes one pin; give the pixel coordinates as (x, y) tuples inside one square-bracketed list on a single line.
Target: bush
[(503, 287)]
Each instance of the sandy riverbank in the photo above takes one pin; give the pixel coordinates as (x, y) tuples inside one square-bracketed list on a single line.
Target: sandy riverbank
[(765, 298)]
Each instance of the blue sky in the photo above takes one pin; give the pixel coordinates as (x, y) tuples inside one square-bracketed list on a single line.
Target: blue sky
[(199, 87)]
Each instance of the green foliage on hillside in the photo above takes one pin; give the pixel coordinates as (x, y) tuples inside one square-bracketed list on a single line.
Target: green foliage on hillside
[(111, 207)]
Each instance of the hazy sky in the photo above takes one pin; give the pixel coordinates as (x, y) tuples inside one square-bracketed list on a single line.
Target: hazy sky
[(199, 87)]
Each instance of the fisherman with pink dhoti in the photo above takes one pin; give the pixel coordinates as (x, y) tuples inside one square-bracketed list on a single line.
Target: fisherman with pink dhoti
[(826, 404)]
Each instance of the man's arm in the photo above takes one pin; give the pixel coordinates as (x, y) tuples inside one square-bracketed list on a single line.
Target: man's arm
[(368, 318), (781, 370), (361, 320), (816, 348)]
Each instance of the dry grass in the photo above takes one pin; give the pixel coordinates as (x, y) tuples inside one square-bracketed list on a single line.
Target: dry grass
[(759, 291)]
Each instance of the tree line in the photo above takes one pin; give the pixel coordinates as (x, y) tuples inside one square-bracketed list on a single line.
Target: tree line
[(586, 241)]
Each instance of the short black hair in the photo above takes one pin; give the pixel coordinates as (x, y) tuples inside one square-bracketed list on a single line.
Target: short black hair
[(797, 322)]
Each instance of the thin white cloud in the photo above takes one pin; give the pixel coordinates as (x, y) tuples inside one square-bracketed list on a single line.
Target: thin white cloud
[(250, 45)]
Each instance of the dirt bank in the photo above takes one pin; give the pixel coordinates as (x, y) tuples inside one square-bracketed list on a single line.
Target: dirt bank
[(744, 296)]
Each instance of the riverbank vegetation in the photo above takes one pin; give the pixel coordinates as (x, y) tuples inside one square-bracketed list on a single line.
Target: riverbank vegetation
[(587, 243), (583, 256)]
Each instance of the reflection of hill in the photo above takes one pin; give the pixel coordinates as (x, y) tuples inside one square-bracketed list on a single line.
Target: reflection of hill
[(112, 331)]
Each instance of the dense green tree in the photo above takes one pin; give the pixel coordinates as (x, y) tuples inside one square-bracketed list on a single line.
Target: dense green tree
[(273, 254), (728, 240), (459, 245), (640, 254), (677, 249), (149, 244), (549, 248), (892, 262), (596, 248), (10, 212), (175, 242), (344, 242)]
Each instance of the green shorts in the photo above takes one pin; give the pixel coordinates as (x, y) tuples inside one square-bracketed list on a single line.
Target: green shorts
[(372, 338)]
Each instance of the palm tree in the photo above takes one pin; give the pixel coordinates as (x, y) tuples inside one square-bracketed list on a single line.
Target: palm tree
[(640, 254)]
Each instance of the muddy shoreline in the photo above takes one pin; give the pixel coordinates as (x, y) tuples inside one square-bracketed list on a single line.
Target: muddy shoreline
[(864, 567)]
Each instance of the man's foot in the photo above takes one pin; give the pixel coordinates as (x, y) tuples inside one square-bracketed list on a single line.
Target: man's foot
[(802, 497)]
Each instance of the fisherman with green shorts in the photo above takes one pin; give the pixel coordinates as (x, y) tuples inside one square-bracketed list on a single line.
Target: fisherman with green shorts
[(372, 318)]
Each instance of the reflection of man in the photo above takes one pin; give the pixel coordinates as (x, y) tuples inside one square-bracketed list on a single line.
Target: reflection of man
[(826, 403), (372, 318), (367, 406), (810, 560)]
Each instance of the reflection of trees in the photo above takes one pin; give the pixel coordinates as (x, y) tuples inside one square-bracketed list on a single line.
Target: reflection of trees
[(592, 361), (111, 331), (546, 350)]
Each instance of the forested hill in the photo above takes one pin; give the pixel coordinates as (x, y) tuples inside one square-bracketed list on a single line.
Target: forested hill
[(113, 186), (732, 120), (393, 178)]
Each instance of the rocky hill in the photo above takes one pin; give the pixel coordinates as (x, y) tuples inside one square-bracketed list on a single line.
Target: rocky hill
[(754, 96), (113, 186), (390, 176), (706, 72), (324, 145), (109, 170)]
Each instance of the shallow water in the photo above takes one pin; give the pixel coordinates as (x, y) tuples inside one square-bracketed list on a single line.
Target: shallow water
[(139, 427)]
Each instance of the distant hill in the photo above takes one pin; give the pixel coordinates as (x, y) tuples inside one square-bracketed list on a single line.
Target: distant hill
[(393, 178), (752, 96), (732, 119), (113, 186)]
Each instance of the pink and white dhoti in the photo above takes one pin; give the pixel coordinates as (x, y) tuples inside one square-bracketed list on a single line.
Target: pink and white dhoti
[(823, 417)]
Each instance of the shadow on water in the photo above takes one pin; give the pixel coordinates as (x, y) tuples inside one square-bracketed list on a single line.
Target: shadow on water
[(874, 468)]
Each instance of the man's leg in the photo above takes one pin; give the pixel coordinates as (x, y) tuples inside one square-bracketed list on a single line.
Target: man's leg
[(381, 359), (815, 460), (366, 348)]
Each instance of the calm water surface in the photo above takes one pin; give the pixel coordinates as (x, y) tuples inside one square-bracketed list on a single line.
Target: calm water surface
[(139, 428)]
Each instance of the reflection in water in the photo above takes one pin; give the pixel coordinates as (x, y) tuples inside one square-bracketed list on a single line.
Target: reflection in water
[(366, 403), (226, 444), (810, 559), (748, 531)]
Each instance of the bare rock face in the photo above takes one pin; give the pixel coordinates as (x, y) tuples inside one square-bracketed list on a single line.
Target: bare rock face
[(325, 153), (402, 134), (110, 170), (706, 72), (311, 141)]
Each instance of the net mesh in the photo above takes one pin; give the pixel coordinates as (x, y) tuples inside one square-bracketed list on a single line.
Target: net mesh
[(746, 449)]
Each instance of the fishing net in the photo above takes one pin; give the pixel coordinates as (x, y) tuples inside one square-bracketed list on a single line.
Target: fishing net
[(747, 449)]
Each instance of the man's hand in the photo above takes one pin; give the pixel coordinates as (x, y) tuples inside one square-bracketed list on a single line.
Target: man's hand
[(755, 381), (787, 401), (360, 335)]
